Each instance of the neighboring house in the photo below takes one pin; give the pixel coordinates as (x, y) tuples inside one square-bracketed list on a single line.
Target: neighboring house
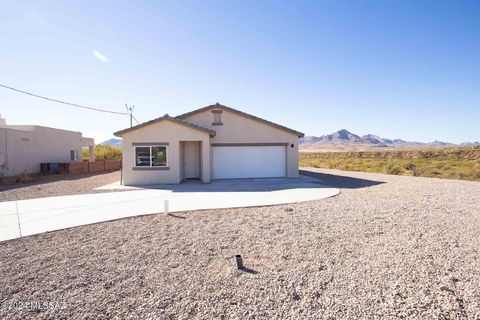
[(24, 147), (214, 142)]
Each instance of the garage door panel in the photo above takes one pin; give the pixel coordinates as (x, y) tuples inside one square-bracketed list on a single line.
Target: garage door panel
[(249, 162)]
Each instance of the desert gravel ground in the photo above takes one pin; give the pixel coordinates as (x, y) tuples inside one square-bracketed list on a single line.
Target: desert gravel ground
[(58, 186), (387, 247)]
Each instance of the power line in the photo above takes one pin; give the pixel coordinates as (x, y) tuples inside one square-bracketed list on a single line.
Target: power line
[(63, 102)]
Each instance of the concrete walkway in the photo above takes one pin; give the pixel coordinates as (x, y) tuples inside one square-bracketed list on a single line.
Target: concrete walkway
[(27, 217)]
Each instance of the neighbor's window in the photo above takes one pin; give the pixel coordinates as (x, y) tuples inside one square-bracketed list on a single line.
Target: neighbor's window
[(150, 156), (73, 155)]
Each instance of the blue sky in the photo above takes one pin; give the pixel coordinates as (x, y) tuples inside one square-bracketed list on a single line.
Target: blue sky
[(399, 69)]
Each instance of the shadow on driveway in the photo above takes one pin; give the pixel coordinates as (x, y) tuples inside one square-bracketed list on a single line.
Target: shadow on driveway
[(341, 182), (306, 180), (236, 185)]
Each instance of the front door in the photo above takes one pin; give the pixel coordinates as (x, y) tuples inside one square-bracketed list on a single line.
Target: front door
[(192, 159)]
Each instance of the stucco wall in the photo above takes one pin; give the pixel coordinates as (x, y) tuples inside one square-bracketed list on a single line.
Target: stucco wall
[(240, 129), (25, 147), (164, 131)]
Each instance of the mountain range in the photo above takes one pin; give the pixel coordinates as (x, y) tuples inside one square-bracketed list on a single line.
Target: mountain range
[(112, 142), (345, 140)]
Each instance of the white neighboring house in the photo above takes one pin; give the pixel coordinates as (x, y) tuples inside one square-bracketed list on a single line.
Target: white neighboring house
[(24, 147)]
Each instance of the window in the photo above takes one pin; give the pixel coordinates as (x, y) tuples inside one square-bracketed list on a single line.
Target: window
[(159, 156), (73, 155), (151, 156), (142, 156)]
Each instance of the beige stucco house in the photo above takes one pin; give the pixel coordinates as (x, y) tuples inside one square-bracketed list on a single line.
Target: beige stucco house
[(214, 142), (24, 147)]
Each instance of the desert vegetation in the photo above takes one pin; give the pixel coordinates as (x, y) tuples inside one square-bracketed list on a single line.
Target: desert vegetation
[(449, 163), (103, 152)]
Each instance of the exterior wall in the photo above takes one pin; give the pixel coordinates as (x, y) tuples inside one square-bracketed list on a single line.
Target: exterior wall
[(240, 129), (25, 147), (164, 131)]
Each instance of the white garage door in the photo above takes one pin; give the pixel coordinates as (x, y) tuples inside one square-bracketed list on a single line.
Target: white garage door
[(249, 162)]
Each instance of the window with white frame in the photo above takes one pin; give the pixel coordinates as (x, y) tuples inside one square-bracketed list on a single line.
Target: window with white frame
[(150, 156)]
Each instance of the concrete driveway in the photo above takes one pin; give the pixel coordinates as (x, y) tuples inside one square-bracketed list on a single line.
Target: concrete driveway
[(27, 217)]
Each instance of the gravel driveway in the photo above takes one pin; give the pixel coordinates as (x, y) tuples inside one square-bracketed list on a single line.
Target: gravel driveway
[(58, 186), (387, 247)]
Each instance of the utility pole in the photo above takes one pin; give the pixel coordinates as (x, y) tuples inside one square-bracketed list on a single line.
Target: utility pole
[(130, 112)]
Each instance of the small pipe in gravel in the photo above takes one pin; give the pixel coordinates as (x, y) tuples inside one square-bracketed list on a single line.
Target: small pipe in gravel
[(239, 260)]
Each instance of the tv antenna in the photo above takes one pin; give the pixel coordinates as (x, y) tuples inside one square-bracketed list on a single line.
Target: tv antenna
[(130, 113)]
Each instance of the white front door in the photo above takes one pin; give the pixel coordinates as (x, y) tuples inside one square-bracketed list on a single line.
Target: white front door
[(249, 162), (192, 159)]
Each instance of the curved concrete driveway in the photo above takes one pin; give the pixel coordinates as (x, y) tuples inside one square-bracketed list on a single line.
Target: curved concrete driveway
[(27, 217)]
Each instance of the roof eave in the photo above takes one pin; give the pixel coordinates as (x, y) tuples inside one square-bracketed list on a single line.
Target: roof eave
[(166, 117)]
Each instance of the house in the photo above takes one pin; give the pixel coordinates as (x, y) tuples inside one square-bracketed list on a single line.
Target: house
[(24, 147), (214, 142)]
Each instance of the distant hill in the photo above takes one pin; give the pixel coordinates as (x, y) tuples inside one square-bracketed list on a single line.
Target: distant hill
[(112, 142), (345, 140)]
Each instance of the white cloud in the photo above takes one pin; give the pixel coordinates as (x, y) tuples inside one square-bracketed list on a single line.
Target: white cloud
[(100, 56)]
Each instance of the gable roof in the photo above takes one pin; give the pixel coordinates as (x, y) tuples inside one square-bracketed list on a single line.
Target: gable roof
[(166, 117), (220, 106)]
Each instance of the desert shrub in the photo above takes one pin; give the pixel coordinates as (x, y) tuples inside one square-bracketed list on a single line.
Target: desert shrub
[(394, 169), (332, 165), (412, 168), (103, 152), (476, 175), (22, 177)]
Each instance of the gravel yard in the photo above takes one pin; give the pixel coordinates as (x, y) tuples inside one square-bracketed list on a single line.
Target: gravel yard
[(57, 186), (386, 247)]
